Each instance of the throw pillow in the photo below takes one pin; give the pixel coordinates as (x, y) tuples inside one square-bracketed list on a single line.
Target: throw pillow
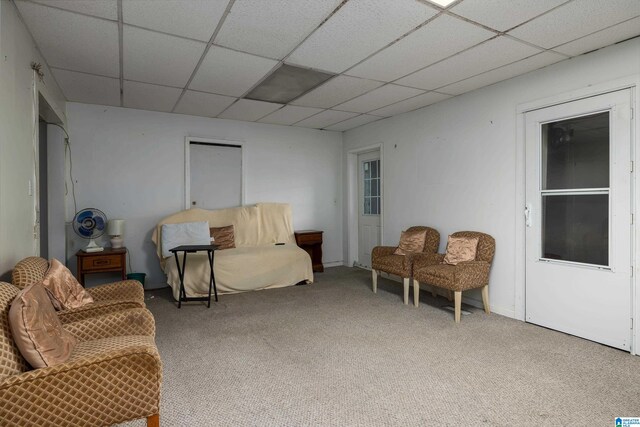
[(411, 241), (36, 329), (460, 249), (186, 233), (224, 237), (64, 290)]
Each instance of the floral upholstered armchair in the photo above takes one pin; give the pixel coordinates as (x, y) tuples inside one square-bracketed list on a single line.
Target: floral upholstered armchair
[(384, 259), (462, 276)]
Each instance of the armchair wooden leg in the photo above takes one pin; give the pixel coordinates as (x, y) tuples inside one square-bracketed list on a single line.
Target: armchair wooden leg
[(374, 281), (458, 305), (153, 421), (485, 299), (405, 284), (416, 292)]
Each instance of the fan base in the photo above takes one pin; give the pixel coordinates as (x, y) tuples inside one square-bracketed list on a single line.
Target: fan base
[(95, 249)]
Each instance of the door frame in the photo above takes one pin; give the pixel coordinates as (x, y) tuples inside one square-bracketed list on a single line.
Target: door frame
[(630, 82), (352, 199), (213, 141)]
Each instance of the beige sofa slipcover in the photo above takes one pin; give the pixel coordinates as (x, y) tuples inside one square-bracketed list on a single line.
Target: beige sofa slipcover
[(255, 263)]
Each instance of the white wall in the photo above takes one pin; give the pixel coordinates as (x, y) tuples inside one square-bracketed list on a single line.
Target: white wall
[(130, 164), (453, 165), (17, 51)]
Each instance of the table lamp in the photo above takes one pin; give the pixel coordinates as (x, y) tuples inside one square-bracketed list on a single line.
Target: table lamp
[(115, 229)]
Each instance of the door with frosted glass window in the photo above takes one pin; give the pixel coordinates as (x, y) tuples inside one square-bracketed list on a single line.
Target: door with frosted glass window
[(578, 218), (370, 205)]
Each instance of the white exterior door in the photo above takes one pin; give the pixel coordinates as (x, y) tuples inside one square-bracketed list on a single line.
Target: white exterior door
[(370, 205), (578, 218), (215, 175)]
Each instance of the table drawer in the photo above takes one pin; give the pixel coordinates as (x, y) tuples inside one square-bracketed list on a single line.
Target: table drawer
[(311, 238), (102, 262)]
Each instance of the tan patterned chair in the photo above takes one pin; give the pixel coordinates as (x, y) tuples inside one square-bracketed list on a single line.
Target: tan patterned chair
[(463, 276), (107, 298), (383, 260), (109, 378)]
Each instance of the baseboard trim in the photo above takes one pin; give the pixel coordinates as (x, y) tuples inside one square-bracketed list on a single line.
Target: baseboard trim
[(333, 264)]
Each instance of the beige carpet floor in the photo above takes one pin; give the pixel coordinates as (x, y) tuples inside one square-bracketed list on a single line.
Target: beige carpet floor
[(335, 354)]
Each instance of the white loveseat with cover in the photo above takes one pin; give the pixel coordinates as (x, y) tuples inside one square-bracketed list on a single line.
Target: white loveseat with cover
[(255, 263)]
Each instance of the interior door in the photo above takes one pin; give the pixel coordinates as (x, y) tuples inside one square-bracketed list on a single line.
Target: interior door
[(578, 217), (370, 205), (215, 175)]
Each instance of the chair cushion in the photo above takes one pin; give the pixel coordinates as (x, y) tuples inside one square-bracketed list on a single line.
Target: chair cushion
[(64, 290), (37, 330), (223, 237), (460, 249), (411, 241)]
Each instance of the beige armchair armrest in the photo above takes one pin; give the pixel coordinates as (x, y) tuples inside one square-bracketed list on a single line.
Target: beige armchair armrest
[(96, 309), (135, 321), (104, 382), (125, 290)]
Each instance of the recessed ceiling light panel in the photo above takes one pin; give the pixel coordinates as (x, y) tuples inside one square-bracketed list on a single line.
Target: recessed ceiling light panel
[(287, 83), (442, 3)]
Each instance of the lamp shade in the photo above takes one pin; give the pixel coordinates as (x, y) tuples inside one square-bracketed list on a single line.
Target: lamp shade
[(115, 227)]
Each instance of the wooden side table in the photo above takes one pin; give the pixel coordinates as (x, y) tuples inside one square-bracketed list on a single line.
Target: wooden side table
[(311, 241), (101, 262)]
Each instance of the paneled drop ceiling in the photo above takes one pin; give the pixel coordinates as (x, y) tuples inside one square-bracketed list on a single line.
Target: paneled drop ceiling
[(202, 57)]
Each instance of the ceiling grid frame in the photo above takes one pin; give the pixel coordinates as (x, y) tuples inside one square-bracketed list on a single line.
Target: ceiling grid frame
[(607, 33)]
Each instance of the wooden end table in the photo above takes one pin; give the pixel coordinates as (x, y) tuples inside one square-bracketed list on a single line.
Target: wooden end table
[(102, 262), (311, 241)]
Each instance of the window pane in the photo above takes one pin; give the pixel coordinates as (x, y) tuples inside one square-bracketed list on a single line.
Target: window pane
[(374, 168), (367, 188), (367, 169), (374, 187), (378, 211), (575, 153), (576, 228), (367, 206)]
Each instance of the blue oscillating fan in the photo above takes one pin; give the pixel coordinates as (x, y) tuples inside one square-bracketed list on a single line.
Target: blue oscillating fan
[(90, 224)]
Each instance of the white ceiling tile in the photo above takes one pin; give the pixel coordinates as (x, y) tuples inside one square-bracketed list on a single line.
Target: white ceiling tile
[(606, 37), (196, 19), (272, 28), (104, 9), (72, 41), (326, 118), (203, 104), (354, 122), (378, 98), (492, 54), (440, 38), (358, 29), (411, 104), (228, 72), (502, 15), (146, 96), (87, 88), (337, 90), (158, 58), (289, 114), (249, 110), (503, 73), (574, 20)]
